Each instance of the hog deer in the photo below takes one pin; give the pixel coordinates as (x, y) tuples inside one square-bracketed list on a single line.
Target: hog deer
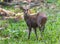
[(34, 21)]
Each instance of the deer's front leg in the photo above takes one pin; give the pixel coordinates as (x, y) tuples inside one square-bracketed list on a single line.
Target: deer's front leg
[(29, 33)]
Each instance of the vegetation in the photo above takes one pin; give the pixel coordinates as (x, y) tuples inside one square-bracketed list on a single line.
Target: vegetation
[(17, 32)]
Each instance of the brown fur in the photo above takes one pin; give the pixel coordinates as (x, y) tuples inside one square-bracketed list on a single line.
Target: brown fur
[(34, 21)]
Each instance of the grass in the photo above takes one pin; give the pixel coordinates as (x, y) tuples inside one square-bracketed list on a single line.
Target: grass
[(17, 32)]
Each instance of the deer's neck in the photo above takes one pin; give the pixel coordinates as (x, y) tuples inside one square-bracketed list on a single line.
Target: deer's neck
[(26, 16)]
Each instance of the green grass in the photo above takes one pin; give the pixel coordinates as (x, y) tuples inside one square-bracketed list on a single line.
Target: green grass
[(16, 32)]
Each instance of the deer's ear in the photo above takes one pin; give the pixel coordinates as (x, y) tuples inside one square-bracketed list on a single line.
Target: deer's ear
[(26, 6), (21, 7)]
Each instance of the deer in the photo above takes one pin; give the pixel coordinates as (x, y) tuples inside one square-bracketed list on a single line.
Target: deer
[(34, 21)]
